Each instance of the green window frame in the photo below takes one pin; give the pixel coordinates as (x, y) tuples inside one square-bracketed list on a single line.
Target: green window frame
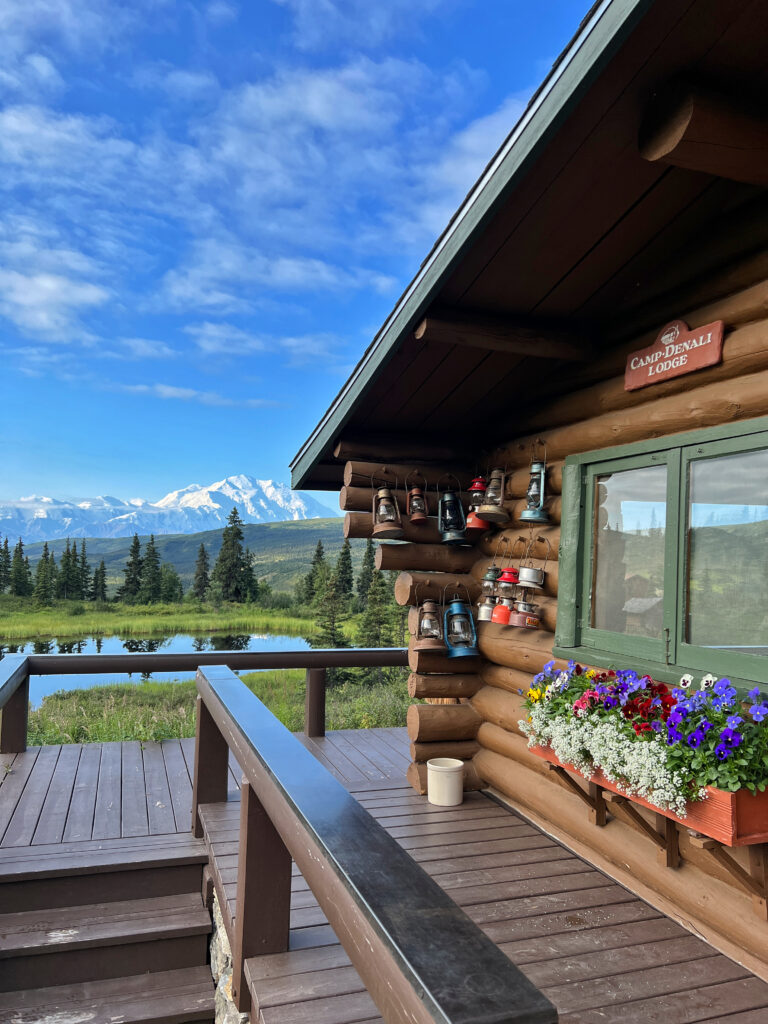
[(665, 657)]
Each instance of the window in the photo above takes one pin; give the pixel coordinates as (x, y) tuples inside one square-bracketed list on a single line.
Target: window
[(665, 549)]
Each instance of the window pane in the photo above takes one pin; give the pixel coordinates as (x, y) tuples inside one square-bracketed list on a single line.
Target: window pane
[(628, 581), (728, 553)]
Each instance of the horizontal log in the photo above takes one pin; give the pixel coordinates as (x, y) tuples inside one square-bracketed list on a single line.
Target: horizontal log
[(360, 499), (359, 474), (745, 351), (502, 334), (427, 662), (703, 131), (503, 741), (503, 678), (499, 707), (518, 479), (427, 723), (707, 406), (461, 685), (463, 749), (394, 448), (415, 587), (360, 524), (551, 570), (425, 557), (525, 649), (500, 543), (416, 775)]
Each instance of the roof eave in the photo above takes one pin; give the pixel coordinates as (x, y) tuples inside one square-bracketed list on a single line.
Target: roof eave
[(604, 30)]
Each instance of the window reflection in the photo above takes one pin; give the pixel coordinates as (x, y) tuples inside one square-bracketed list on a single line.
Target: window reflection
[(728, 553), (628, 571)]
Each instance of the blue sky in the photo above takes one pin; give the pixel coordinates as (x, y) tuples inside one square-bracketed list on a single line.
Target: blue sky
[(208, 208)]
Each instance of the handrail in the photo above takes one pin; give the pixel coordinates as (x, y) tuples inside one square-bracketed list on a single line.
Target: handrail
[(15, 670), (419, 955)]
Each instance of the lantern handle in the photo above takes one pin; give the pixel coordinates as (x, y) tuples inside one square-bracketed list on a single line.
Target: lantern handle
[(457, 586), (415, 472), (453, 475), (502, 540), (545, 540), (511, 554), (541, 443), (525, 556)]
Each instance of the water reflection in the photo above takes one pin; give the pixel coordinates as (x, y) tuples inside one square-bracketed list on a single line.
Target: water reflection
[(177, 643)]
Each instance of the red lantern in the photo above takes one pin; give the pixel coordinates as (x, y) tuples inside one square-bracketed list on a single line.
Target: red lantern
[(476, 493), (415, 503)]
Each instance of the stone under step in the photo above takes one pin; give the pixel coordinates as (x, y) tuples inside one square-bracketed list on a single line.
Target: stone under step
[(58, 946), (167, 997)]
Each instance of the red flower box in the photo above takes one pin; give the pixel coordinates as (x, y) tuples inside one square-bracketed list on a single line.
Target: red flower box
[(734, 819)]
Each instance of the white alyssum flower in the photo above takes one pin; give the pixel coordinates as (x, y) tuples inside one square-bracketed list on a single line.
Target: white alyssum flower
[(636, 767)]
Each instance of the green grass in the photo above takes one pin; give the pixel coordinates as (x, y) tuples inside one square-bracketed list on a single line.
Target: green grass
[(154, 711), (19, 621)]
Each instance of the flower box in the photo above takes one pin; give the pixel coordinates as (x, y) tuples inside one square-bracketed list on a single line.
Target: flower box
[(734, 819)]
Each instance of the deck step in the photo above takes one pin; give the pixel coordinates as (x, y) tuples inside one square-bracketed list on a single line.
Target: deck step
[(99, 871), (168, 997), (104, 940)]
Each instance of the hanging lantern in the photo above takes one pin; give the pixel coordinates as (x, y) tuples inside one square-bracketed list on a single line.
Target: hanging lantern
[(476, 495), (532, 577), (429, 631), (487, 600), (451, 519), (491, 508), (387, 522), (416, 503), (536, 494), (525, 614), (459, 630), (502, 612), (507, 583)]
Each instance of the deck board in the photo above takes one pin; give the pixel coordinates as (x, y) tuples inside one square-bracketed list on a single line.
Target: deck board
[(597, 950)]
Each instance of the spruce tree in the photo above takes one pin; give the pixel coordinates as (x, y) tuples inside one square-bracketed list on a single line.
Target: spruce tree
[(84, 576), (5, 566), (99, 587), (171, 587), (129, 591), (229, 572), (329, 621), (251, 586), (20, 576), (366, 572), (202, 578), (150, 581), (313, 582), (45, 583), (344, 574), (375, 628)]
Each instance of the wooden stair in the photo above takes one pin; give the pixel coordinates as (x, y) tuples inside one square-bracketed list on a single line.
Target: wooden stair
[(105, 930)]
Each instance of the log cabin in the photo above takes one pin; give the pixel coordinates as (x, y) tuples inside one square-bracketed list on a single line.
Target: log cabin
[(599, 302)]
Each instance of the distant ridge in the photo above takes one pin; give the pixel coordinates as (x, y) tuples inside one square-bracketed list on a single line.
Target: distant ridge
[(282, 551), (190, 509)]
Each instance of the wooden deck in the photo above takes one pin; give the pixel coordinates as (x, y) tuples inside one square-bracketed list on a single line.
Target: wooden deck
[(598, 951)]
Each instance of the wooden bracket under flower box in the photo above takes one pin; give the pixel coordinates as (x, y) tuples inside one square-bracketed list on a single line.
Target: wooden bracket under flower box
[(733, 819)]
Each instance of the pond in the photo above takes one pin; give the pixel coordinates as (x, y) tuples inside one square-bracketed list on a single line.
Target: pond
[(179, 643)]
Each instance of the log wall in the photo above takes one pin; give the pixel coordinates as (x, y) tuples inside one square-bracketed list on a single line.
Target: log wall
[(480, 699)]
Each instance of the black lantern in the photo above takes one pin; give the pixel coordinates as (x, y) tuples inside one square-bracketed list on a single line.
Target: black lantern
[(451, 519)]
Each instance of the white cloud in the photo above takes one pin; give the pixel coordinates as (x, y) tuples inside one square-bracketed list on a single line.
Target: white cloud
[(219, 12), (47, 303), (227, 340), (144, 348), (169, 391), (326, 24)]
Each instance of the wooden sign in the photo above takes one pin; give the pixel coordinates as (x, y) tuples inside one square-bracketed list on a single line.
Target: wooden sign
[(677, 350)]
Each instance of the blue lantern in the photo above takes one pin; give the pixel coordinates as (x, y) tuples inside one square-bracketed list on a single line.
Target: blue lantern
[(536, 495), (459, 631)]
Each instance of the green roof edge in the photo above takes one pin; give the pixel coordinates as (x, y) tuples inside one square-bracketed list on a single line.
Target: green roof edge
[(603, 31)]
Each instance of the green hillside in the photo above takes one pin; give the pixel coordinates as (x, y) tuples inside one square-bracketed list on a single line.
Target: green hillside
[(283, 551)]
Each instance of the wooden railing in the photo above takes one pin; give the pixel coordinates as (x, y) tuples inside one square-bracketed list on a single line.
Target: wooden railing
[(15, 670), (420, 957)]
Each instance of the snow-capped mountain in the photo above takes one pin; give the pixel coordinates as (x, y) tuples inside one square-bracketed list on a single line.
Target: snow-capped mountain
[(188, 510)]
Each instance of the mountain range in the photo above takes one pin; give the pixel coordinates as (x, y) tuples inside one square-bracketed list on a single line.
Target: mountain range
[(191, 509)]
